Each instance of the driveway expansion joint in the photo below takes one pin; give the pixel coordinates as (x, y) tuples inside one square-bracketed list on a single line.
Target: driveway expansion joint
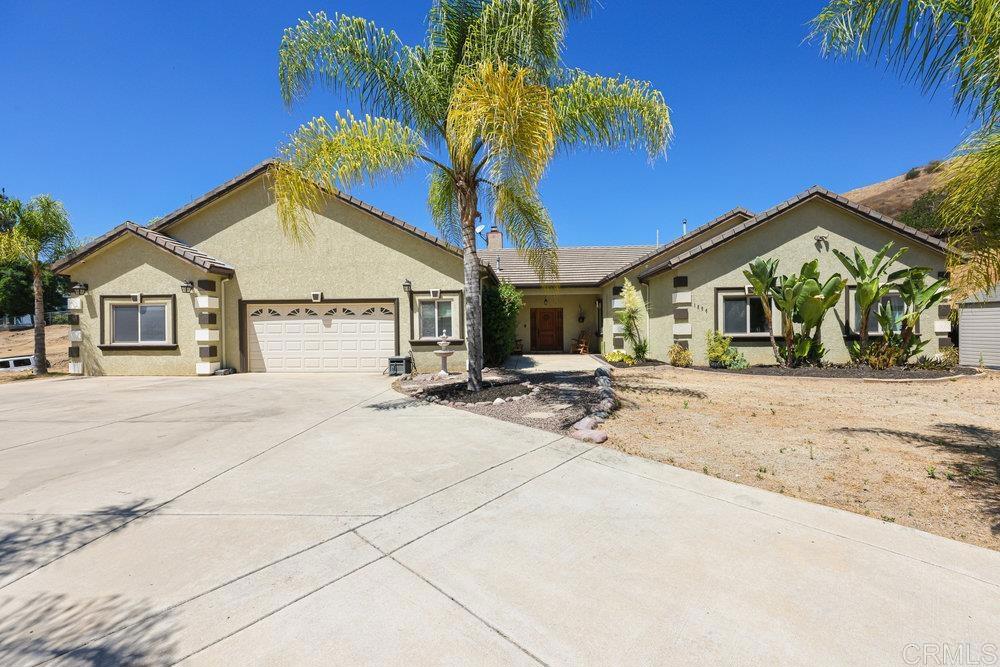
[(155, 508)]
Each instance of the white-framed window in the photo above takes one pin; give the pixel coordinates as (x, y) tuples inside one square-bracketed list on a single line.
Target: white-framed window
[(741, 314), (436, 318), (893, 300)]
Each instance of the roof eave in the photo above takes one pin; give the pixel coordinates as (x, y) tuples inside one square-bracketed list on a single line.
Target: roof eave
[(792, 202)]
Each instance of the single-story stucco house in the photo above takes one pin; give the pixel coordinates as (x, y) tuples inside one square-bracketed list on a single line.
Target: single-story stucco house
[(217, 283)]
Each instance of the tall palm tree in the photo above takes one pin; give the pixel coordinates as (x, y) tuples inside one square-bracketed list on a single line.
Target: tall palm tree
[(952, 43), (37, 233), (483, 103)]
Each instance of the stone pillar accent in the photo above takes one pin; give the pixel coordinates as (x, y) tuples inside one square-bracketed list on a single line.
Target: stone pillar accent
[(682, 300), (75, 304), (207, 334)]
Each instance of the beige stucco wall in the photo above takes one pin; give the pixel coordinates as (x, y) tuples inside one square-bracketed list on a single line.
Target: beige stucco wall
[(127, 266), (350, 255), (572, 301), (789, 237)]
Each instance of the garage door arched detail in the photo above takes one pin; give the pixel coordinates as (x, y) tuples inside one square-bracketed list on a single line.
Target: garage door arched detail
[(332, 336)]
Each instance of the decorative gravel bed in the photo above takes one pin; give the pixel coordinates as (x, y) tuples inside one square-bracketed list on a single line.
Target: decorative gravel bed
[(559, 401), (508, 388), (858, 372)]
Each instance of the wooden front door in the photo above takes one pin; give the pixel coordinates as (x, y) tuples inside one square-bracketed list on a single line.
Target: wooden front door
[(547, 329)]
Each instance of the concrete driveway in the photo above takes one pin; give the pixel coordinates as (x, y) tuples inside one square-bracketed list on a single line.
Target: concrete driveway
[(300, 520)]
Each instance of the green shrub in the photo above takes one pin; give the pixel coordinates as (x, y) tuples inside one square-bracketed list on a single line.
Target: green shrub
[(933, 166), (911, 174), (717, 347), (721, 354), (620, 357), (923, 213), (501, 304), (737, 361), (680, 356)]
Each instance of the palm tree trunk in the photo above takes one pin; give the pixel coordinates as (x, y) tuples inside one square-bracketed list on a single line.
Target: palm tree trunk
[(789, 343), (864, 329), (41, 365), (468, 204)]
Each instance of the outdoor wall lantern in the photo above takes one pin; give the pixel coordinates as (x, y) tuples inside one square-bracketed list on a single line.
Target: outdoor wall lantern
[(187, 286), (407, 285), (79, 289)]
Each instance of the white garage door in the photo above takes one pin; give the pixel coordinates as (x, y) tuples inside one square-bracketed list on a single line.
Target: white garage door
[(321, 337)]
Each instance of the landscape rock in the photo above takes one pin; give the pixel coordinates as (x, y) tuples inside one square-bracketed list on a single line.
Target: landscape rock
[(603, 381), (603, 371), (585, 424), (498, 401), (590, 435)]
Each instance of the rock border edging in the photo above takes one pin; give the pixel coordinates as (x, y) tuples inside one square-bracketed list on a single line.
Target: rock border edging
[(586, 429)]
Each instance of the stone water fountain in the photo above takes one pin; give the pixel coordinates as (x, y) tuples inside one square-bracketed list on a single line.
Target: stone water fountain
[(444, 353)]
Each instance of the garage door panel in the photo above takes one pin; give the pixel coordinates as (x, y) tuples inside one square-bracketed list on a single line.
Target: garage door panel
[(333, 338)]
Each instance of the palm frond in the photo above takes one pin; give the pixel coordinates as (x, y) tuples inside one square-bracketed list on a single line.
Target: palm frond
[(971, 212), (932, 41), (350, 55), (521, 215), (611, 112), (320, 155), (521, 33), (498, 106)]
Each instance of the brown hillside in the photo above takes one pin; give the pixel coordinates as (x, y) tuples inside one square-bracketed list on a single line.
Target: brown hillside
[(14, 343), (896, 195)]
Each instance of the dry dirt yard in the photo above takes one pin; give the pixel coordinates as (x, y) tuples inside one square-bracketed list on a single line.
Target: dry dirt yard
[(922, 454), (13, 343)]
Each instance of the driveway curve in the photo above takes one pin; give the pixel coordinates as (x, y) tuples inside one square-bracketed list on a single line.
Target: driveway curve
[(279, 519)]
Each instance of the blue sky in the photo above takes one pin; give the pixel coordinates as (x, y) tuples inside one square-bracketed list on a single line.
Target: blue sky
[(127, 110)]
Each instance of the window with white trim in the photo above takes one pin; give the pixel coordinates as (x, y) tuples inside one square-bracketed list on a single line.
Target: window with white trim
[(436, 318), (741, 314), (139, 324), (894, 301)]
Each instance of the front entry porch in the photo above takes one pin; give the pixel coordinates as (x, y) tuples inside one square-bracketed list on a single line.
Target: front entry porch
[(554, 320)]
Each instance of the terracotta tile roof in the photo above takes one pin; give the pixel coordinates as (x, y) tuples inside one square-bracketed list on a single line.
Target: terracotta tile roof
[(580, 266), (813, 192), (166, 243), (158, 226), (666, 248)]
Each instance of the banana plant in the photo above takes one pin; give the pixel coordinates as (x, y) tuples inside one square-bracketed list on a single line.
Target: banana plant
[(762, 275), (786, 295), (873, 281), (918, 297), (814, 302)]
